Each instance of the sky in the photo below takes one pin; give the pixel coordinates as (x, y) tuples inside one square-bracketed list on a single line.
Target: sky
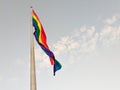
[(83, 34)]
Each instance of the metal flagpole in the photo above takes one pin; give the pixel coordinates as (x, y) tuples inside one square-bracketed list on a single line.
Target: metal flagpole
[(32, 58)]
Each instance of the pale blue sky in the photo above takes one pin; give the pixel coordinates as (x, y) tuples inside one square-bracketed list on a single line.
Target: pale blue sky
[(83, 34)]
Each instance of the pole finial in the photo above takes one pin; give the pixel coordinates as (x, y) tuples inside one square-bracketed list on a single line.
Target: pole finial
[(31, 7)]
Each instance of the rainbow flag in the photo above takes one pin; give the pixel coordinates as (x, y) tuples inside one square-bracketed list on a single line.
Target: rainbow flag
[(41, 38)]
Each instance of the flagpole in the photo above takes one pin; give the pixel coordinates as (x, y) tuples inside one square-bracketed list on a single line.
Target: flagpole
[(32, 58)]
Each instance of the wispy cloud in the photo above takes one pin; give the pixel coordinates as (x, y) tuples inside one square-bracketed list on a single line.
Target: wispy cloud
[(112, 20), (109, 34), (84, 40)]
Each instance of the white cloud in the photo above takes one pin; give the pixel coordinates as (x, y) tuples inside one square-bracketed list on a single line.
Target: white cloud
[(88, 39), (106, 30), (61, 45), (83, 40), (112, 20), (73, 45), (108, 34)]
